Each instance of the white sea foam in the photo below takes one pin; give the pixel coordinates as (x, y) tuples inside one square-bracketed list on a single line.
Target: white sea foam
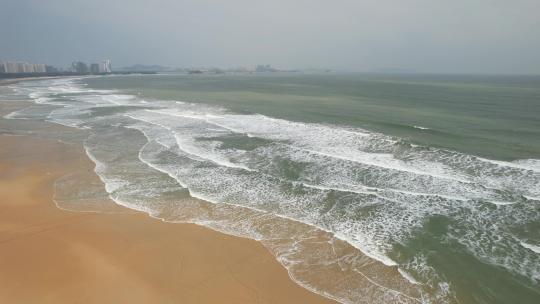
[(408, 277), (119, 99), (316, 138), (111, 185), (188, 146), (43, 100), (14, 115), (534, 248), (359, 190), (385, 161), (525, 164), (499, 203)]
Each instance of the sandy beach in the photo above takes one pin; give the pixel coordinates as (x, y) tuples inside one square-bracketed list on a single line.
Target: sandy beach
[(48, 255)]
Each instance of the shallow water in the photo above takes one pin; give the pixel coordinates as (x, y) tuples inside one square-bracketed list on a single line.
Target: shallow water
[(367, 188)]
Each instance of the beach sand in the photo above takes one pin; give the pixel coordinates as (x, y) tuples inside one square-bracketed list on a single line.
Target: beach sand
[(48, 255)]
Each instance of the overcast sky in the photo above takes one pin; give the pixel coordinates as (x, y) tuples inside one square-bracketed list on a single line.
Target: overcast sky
[(458, 36)]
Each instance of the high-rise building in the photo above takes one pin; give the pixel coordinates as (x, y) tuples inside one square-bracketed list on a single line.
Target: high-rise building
[(50, 69), (79, 67), (39, 68), (105, 66), (21, 67), (10, 67), (94, 68), (265, 68)]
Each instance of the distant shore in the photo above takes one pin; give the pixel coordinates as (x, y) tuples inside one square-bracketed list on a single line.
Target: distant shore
[(25, 76), (6, 81), (14, 78)]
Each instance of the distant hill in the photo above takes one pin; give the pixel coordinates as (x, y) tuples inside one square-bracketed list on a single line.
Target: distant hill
[(145, 68)]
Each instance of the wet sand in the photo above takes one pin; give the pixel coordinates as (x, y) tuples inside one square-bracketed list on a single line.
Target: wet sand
[(48, 255)]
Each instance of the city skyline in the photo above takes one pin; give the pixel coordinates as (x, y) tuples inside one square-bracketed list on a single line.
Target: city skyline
[(105, 66), (79, 67)]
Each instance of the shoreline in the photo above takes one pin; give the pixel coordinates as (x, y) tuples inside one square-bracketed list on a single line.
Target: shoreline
[(78, 251), (13, 78), (8, 81)]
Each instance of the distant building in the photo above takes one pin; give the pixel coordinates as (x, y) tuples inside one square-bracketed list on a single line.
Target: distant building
[(21, 67), (50, 69), (94, 68), (265, 68), (105, 66), (39, 68), (79, 67), (10, 67), (144, 68)]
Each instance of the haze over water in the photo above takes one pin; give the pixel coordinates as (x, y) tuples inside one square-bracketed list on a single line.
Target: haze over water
[(375, 188)]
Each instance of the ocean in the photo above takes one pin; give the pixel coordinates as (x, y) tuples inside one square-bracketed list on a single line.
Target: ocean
[(367, 188)]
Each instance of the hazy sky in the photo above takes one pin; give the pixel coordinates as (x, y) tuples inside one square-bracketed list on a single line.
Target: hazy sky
[(471, 36)]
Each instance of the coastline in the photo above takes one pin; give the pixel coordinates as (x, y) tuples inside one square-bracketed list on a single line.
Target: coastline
[(8, 81), (49, 255)]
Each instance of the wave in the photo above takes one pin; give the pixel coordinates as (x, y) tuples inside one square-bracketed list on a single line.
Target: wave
[(534, 248)]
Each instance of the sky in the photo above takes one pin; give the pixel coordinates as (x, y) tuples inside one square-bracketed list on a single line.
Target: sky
[(428, 36)]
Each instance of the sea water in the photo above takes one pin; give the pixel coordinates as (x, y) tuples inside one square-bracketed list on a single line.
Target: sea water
[(366, 188)]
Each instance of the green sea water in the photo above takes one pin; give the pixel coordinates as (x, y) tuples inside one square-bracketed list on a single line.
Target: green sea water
[(492, 116)]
